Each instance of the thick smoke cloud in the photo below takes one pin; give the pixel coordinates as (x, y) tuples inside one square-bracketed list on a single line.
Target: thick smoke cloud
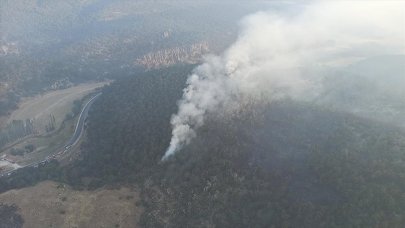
[(280, 55)]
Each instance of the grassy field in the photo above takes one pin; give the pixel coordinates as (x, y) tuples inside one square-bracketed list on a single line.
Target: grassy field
[(44, 145), (50, 204), (57, 103)]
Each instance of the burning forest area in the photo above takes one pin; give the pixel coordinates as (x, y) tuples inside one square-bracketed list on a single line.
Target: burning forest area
[(203, 114)]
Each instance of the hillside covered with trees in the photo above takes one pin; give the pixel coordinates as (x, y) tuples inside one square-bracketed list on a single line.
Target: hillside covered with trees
[(209, 113), (285, 164), (48, 45)]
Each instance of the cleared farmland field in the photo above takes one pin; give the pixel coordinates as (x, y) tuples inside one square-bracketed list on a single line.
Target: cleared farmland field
[(51, 204), (45, 144), (57, 103)]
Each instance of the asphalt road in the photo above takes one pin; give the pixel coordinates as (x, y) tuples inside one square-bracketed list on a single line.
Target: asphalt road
[(80, 123), (72, 141)]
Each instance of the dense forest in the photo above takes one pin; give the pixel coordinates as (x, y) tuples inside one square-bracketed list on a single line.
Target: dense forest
[(284, 164), (9, 217), (303, 111)]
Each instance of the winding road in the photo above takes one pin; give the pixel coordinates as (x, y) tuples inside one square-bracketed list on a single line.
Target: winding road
[(80, 123), (72, 141)]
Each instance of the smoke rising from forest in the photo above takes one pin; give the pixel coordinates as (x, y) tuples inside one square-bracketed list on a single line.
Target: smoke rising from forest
[(278, 55)]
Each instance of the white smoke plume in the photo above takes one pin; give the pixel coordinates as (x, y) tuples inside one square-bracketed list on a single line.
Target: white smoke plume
[(276, 55)]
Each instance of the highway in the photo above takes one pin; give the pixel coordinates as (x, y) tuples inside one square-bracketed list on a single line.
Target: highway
[(71, 142), (80, 123)]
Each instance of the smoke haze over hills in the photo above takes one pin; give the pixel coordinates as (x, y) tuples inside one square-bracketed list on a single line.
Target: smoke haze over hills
[(286, 56)]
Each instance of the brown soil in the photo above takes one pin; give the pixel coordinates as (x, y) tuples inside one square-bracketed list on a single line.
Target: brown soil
[(51, 204)]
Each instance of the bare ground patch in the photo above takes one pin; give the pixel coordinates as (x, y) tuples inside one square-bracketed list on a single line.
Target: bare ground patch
[(51, 204)]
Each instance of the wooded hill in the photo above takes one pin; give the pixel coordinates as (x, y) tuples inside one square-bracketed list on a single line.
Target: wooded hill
[(285, 164)]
